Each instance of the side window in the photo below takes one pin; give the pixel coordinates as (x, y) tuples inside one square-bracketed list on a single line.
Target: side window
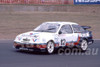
[(78, 29), (66, 29)]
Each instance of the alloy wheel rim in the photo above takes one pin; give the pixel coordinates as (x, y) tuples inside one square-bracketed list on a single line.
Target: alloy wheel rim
[(84, 45), (50, 47)]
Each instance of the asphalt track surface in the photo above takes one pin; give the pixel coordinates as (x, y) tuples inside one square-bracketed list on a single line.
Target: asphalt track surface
[(9, 57)]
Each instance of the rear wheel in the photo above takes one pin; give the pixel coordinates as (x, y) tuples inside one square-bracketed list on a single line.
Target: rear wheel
[(84, 45), (50, 47)]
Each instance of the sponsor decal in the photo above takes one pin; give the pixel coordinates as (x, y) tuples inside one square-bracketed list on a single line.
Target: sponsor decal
[(33, 33), (86, 1), (34, 40), (84, 35)]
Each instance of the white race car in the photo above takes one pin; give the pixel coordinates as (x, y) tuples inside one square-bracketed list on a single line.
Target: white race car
[(51, 35)]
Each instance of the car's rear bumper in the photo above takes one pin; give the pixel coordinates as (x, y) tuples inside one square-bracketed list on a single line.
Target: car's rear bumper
[(90, 42)]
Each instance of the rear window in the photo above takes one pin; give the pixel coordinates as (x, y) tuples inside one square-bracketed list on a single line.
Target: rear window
[(77, 29)]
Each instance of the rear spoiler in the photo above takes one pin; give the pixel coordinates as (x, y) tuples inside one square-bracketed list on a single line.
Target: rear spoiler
[(86, 27)]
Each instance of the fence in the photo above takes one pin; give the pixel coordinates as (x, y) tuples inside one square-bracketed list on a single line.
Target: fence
[(46, 2)]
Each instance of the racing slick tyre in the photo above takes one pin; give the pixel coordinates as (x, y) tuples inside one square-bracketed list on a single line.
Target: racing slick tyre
[(50, 47), (84, 45)]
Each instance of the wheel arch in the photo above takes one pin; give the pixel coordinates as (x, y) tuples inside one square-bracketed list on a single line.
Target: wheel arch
[(51, 41), (84, 39)]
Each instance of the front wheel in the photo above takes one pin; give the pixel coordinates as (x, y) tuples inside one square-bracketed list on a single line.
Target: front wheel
[(50, 47), (84, 45)]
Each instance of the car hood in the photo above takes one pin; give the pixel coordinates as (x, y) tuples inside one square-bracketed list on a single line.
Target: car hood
[(35, 34), (33, 37)]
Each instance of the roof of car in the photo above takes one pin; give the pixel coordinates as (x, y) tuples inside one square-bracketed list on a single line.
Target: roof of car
[(61, 22)]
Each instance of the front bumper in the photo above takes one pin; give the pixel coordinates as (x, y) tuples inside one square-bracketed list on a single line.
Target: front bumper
[(34, 47)]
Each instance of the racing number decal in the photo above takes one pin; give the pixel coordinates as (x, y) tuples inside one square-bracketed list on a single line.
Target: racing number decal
[(63, 42)]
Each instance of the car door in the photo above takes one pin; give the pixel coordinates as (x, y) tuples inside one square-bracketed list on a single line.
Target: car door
[(65, 35)]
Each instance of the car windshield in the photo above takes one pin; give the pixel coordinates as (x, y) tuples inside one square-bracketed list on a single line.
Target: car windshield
[(47, 27)]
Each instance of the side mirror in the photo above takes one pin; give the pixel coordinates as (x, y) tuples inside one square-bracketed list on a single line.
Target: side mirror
[(60, 32)]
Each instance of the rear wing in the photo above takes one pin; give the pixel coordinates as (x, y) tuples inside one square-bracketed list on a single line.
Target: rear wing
[(86, 27)]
